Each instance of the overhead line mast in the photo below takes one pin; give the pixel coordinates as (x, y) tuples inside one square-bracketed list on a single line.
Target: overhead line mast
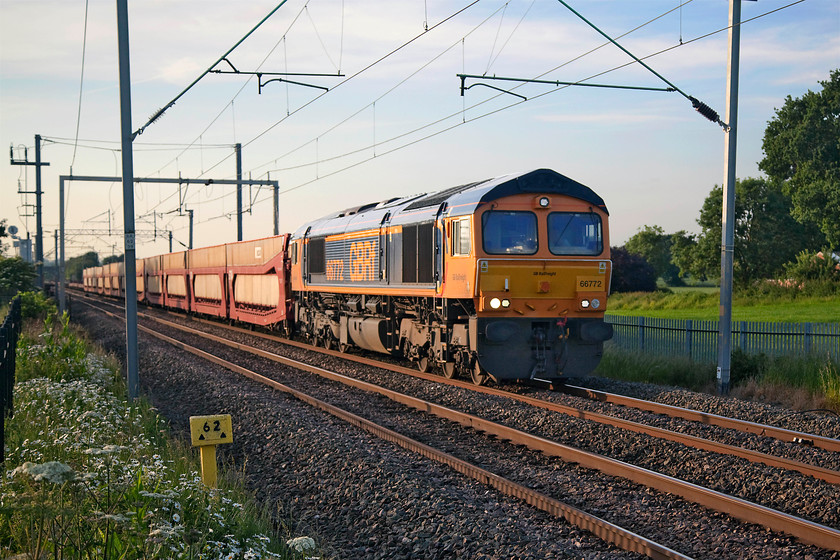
[(39, 233)]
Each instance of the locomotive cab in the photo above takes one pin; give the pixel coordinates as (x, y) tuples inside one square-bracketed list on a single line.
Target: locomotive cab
[(542, 279)]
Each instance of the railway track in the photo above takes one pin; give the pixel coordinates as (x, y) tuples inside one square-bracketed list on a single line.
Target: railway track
[(808, 531), (829, 444), (790, 436)]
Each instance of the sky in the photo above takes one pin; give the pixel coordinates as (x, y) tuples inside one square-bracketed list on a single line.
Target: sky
[(392, 121)]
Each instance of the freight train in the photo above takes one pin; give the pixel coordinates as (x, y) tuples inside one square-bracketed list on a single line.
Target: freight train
[(503, 279)]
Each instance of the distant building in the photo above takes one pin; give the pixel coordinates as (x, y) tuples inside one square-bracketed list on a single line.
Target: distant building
[(23, 249)]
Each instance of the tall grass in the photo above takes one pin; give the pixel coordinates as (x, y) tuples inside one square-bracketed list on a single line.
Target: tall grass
[(800, 382), (830, 382), (647, 368), (89, 475)]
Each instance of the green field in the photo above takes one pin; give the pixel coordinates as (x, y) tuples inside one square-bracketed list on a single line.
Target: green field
[(703, 304)]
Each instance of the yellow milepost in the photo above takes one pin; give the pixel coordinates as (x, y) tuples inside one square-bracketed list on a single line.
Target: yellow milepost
[(207, 432)]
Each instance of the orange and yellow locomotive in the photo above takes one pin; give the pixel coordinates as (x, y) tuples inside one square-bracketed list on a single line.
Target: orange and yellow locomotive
[(504, 279)]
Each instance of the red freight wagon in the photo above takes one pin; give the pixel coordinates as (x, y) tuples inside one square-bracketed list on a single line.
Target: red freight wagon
[(114, 274), (87, 280), (258, 281), (175, 280), (208, 288), (153, 283), (99, 280), (139, 267)]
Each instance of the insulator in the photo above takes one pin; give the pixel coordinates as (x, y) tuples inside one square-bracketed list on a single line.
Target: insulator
[(156, 116), (705, 110)]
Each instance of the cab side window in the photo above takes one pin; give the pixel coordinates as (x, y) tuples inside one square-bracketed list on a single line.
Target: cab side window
[(461, 237)]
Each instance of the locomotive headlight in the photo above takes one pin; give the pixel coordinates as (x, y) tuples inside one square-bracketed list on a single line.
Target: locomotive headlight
[(596, 303), (584, 303), (495, 303), (544, 202), (505, 303)]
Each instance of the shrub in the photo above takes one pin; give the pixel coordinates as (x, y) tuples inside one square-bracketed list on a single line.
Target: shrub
[(631, 273), (16, 275), (814, 273), (56, 355), (36, 305), (745, 366)]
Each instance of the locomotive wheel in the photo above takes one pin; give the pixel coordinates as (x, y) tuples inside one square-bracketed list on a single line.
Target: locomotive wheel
[(479, 376), (450, 370), (424, 364)]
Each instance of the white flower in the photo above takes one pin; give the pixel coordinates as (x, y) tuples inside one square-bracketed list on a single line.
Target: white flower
[(53, 471), (111, 517), (105, 450), (301, 544)]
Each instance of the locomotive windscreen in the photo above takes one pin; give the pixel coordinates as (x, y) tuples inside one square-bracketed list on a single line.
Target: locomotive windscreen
[(575, 233)]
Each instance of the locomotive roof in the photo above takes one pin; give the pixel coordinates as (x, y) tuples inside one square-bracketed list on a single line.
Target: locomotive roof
[(460, 200)]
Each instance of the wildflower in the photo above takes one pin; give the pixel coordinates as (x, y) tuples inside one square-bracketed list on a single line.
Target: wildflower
[(106, 450), (53, 471), (301, 544), (176, 518), (111, 517)]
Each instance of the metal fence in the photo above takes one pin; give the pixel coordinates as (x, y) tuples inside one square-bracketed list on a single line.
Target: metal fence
[(9, 332), (699, 339)]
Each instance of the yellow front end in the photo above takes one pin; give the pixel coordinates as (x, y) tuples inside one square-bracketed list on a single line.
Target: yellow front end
[(543, 288)]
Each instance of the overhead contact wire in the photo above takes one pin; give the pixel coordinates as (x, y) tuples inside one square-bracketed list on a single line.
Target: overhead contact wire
[(159, 113)]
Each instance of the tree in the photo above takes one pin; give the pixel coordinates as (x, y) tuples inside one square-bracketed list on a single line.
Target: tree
[(112, 259), (766, 235), (684, 255), (75, 265), (16, 275), (630, 272), (2, 235), (802, 153), (654, 245)]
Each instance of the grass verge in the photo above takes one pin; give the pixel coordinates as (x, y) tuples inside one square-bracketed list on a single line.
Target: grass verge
[(89, 475), (704, 305), (799, 382)]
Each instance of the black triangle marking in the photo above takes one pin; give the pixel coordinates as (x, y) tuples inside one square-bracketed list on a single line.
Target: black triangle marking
[(223, 436), (201, 437)]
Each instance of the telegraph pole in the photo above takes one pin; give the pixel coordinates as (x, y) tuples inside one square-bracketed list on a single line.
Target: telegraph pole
[(727, 247), (39, 233), (238, 192), (277, 209), (132, 362), (190, 212)]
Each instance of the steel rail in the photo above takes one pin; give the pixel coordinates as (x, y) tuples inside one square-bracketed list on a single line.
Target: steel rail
[(829, 444), (827, 475), (806, 531), (609, 532), (820, 473)]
